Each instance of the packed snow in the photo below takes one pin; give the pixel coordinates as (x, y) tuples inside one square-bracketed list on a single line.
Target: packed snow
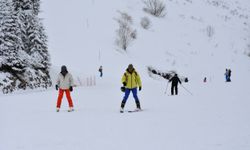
[(214, 116)]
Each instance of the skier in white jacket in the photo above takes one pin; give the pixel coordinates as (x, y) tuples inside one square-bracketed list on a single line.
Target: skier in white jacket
[(65, 84)]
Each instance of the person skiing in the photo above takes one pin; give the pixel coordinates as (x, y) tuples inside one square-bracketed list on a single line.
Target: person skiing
[(131, 80), (175, 79), (228, 75), (100, 70), (205, 79), (64, 83)]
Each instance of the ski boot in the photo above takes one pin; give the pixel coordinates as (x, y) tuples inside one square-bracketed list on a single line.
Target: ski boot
[(122, 107), (71, 109), (138, 106), (121, 110)]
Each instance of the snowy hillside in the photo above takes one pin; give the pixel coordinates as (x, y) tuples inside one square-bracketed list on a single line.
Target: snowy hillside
[(196, 38), (178, 41)]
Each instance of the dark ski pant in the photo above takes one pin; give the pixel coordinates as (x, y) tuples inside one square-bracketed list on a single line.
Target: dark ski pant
[(228, 79), (125, 98), (174, 88)]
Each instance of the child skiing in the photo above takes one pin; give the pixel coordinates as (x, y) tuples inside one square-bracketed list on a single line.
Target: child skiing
[(65, 84), (175, 79), (131, 80)]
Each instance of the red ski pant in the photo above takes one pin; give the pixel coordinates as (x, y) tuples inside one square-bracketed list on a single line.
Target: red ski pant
[(60, 96)]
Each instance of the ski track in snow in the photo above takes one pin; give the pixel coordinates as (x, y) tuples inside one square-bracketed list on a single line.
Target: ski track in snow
[(211, 119)]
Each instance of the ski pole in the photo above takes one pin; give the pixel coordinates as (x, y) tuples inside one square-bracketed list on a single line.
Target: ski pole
[(166, 88), (186, 90)]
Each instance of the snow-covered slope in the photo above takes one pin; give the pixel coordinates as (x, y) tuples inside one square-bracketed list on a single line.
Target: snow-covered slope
[(82, 36), (82, 30), (216, 117)]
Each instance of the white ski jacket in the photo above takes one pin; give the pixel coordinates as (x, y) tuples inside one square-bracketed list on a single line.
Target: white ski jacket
[(65, 82)]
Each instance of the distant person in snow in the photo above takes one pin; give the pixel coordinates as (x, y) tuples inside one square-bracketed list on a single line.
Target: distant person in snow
[(175, 79), (64, 83), (100, 70), (131, 80), (228, 75), (205, 79)]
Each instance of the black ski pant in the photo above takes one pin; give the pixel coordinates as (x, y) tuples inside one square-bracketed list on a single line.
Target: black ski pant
[(174, 88)]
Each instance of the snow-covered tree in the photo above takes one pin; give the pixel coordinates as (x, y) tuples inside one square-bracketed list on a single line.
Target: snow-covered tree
[(17, 4), (38, 51), (31, 5), (24, 56), (22, 4), (36, 6), (12, 61), (35, 42)]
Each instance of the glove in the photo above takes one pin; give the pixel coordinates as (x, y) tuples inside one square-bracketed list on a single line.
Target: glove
[(124, 83), (57, 87), (123, 89), (140, 88), (70, 88)]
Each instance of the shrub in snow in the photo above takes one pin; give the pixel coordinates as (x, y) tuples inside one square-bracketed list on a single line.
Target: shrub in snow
[(145, 23), (156, 8), (248, 50), (134, 34), (125, 33), (210, 31)]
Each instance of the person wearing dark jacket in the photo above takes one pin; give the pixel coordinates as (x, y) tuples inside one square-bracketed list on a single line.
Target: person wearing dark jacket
[(229, 75), (100, 70), (175, 80)]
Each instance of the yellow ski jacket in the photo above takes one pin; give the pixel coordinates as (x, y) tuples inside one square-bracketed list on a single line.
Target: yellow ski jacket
[(132, 80)]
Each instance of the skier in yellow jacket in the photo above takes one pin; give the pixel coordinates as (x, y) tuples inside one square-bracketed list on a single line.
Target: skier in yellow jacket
[(131, 80)]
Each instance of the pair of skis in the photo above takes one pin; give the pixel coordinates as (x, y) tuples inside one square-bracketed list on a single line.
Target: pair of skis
[(67, 110), (131, 111)]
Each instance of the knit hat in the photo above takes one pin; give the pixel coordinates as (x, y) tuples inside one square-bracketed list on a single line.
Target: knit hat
[(64, 70), (130, 66)]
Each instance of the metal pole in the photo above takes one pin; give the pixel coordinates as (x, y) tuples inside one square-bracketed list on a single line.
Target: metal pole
[(186, 90), (99, 56), (166, 88)]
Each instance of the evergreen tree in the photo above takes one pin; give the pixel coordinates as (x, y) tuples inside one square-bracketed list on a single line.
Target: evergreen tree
[(12, 58), (38, 52), (31, 5), (22, 5), (17, 4), (36, 6), (35, 43), (24, 56)]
